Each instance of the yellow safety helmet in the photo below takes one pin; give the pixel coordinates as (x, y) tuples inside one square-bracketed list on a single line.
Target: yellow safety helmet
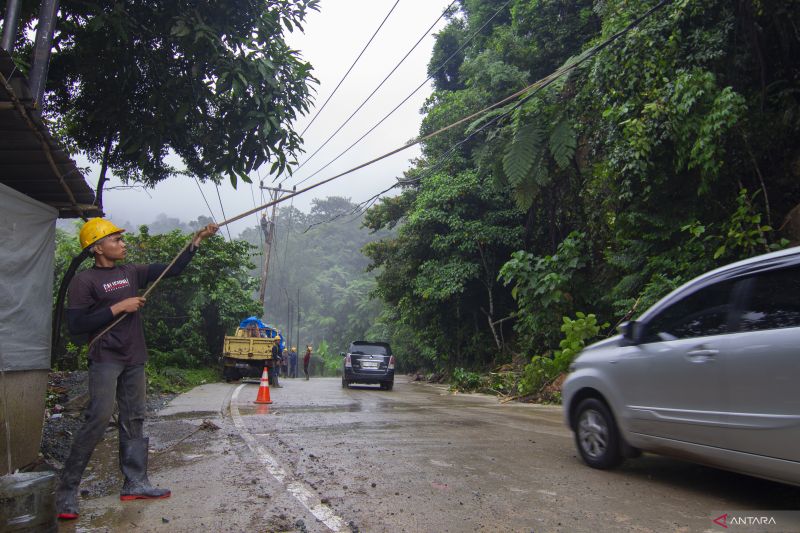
[(95, 229)]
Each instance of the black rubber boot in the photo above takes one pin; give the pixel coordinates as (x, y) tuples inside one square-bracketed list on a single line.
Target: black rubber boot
[(67, 503), (67, 490), (133, 463)]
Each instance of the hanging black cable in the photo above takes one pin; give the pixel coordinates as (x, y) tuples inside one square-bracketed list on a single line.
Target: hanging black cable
[(210, 211), (223, 211), (58, 312)]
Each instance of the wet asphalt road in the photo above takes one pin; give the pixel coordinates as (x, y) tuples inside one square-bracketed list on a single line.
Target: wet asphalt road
[(416, 459)]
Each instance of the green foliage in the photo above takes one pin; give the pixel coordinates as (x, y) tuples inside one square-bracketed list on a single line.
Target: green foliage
[(625, 178), (438, 274), (542, 370), (213, 82), (523, 151), (174, 380), (543, 287), (744, 232), (563, 143), (331, 360), (319, 254), (466, 381)]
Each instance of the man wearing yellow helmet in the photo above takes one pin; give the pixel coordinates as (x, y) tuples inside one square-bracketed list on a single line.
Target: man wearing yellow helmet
[(97, 296)]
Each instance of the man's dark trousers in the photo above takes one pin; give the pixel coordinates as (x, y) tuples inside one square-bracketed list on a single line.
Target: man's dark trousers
[(107, 381)]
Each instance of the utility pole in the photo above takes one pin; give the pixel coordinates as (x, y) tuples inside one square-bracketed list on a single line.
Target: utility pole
[(289, 321), (268, 228), (298, 318)]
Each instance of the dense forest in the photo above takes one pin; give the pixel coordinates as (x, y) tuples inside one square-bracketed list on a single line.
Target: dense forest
[(546, 222)]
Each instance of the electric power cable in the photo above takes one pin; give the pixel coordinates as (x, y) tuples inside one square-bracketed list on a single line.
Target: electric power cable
[(210, 211), (350, 69), (216, 185), (406, 99), (385, 79)]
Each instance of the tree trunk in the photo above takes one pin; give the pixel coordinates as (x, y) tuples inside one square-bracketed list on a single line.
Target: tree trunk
[(490, 313), (103, 169)]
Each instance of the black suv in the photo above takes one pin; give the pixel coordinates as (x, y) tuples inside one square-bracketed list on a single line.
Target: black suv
[(368, 362)]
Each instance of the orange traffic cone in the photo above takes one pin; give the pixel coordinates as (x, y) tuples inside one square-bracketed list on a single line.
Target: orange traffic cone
[(263, 389)]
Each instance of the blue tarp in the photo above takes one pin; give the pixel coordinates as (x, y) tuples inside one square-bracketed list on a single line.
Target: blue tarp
[(270, 331), (252, 320)]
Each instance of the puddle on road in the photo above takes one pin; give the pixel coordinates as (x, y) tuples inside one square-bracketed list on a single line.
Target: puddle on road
[(276, 409)]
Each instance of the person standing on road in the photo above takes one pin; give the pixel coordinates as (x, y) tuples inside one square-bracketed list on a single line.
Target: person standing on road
[(274, 366), (307, 360), (97, 297), (293, 362)]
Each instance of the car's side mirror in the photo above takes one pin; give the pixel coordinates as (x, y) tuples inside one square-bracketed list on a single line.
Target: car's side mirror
[(631, 332)]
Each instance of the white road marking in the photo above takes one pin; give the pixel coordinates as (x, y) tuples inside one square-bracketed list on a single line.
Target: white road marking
[(298, 489)]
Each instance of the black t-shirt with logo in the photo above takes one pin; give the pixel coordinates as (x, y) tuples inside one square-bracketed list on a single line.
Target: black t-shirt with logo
[(93, 292), (99, 288)]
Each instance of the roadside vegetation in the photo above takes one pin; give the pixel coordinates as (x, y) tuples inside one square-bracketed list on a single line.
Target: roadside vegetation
[(539, 228)]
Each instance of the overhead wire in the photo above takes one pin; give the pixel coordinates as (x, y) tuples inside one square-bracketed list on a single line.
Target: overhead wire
[(216, 185), (369, 97), (211, 211), (398, 106), (260, 249), (350, 69)]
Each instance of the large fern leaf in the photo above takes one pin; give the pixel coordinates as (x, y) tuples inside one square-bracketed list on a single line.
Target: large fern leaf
[(563, 143), (525, 193), (524, 149)]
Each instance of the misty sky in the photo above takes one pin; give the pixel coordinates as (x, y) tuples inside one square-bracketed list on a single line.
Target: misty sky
[(333, 38)]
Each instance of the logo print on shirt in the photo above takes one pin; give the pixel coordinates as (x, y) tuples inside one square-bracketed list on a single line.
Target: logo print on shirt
[(116, 285)]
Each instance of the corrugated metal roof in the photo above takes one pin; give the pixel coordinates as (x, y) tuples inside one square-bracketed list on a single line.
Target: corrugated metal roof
[(31, 161)]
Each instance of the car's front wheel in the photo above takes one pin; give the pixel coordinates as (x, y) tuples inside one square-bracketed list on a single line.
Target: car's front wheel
[(596, 435)]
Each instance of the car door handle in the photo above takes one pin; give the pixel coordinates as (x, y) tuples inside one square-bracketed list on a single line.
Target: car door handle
[(702, 352)]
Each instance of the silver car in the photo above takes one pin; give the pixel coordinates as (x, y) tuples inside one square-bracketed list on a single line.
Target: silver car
[(708, 374)]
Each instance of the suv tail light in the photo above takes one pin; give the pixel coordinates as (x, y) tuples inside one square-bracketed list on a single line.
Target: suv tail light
[(347, 362), (391, 362)]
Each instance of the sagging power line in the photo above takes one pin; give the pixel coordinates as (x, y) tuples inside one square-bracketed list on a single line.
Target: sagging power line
[(398, 106)]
